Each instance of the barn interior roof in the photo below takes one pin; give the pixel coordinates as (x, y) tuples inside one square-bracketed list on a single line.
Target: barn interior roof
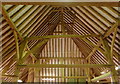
[(57, 38)]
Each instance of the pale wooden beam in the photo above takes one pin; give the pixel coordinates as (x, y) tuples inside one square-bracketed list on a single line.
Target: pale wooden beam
[(16, 35), (32, 55), (63, 65), (109, 4), (111, 30), (90, 43), (94, 50), (12, 25), (36, 72), (49, 76), (113, 71), (23, 46), (34, 49), (61, 77), (61, 36), (88, 71), (10, 22), (30, 75), (62, 21), (113, 41), (18, 56), (66, 58), (109, 57), (101, 77)]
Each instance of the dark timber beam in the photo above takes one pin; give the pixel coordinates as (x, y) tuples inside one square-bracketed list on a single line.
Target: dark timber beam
[(108, 4), (64, 65)]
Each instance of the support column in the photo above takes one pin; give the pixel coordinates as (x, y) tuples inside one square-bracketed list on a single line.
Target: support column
[(36, 72), (18, 57), (109, 56), (62, 20), (88, 71)]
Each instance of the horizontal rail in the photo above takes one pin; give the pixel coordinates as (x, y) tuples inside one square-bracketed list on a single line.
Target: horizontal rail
[(61, 76), (61, 36), (64, 65), (108, 4), (72, 58)]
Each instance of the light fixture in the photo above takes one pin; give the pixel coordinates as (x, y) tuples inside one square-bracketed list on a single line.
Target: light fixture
[(117, 67), (6, 74), (103, 72), (48, 79), (20, 81), (98, 81)]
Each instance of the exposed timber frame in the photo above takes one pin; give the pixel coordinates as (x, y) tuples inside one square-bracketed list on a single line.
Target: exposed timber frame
[(111, 30), (21, 56)]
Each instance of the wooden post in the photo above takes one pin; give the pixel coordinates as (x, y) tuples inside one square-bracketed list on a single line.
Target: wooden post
[(88, 70), (110, 60), (16, 35), (36, 72), (18, 57), (62, 20), (31, 72)]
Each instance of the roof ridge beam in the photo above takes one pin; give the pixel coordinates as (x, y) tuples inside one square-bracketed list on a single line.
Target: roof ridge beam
[(70, 4)]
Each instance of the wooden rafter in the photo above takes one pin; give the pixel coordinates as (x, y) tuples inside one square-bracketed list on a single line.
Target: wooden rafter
[(34, 49), (10, 22), (94, 50), (16, 35), (61, 77), (72, 58), (108, 51), (113, 41), (111, 30)]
